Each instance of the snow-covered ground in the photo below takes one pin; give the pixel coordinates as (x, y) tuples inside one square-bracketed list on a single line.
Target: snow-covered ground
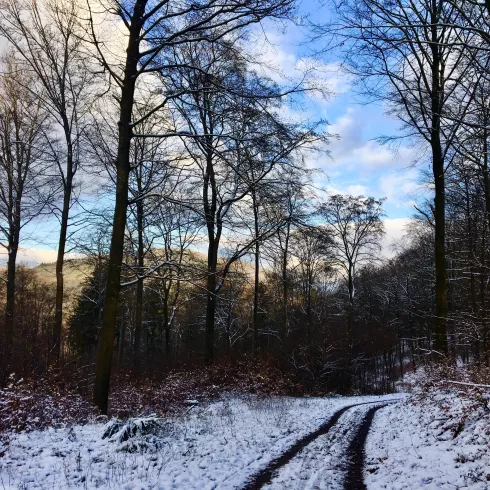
[(438, 438), (323, 464), (216, 446)]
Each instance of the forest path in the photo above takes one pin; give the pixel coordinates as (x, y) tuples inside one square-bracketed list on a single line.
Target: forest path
[(332, 457)]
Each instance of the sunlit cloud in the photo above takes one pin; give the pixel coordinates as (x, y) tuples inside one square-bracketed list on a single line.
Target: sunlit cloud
[(395, 230), (34, 256)]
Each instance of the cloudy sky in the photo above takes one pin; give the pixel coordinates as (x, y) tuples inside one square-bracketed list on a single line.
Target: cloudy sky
[(357, 164)]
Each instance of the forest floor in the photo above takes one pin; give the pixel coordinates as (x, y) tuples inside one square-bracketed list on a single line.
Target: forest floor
[(223, 445), (437, 436), (60, 397)]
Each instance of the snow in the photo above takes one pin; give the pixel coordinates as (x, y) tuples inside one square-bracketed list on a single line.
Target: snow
[(218, 446), (467, 384), (438, 438), (322, 464)]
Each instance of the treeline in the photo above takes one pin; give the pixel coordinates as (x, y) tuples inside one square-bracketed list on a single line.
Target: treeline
[(298, 309), (171, 162)]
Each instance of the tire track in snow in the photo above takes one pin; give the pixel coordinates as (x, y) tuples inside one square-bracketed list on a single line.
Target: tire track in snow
[(322, 464), (265, 476), (356, 453)]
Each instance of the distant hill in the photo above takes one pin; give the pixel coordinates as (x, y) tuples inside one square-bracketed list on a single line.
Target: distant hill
[(77, 270)]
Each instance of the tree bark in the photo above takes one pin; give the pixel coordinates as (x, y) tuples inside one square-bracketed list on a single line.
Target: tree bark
[(67, 191), (486, 190), (440, 326), (113, 285), (139, 288), (211, 301), (120, 347), (285, 285), (309, 323), (486, 179), (166, 322), (440, 340), (13, 248), (256, 277), (214, 227), (350, 313)]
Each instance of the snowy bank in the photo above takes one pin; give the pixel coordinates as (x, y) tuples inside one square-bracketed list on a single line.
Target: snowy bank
[(438, 438), (217, 446)]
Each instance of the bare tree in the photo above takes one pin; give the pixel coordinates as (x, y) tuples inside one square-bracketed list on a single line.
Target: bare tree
[(310, 248), (152, 29), (23, 175), (46, 37), (355, 227), (176, 229), (290, 210), (150, 180), (235, 142), (413, 55)]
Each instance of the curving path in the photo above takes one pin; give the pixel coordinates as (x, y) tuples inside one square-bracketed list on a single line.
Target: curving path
[(332, 457), (356, 456)]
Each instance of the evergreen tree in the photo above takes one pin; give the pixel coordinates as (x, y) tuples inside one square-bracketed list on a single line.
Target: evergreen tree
[(85, 323)]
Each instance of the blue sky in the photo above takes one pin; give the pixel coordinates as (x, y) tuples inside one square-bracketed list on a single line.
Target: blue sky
[(357, 163)]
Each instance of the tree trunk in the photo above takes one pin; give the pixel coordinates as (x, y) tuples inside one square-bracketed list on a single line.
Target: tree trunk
[(113, 285), (256, 301), (285, 286), (309, 276), (483, 278), (166, 323), (13, 248), (211, 301), (440, 254), (10, 303), (350, 314), (256, 278), (214, 227), (229, 320), (120, 347), (486, 190), (109, 316), (58, 320), (440, 327), (139, 288)]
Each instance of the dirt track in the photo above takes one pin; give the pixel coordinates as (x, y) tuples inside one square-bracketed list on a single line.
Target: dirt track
[(348, 429)]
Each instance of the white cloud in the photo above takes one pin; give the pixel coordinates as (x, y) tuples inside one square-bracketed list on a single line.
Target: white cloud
[(278, 61), (34, 256), (357, 190), (395, 230), (352, 148), (348, 189), (401, 188)]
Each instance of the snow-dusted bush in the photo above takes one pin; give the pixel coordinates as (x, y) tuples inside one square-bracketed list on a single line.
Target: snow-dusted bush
[(142, 434)]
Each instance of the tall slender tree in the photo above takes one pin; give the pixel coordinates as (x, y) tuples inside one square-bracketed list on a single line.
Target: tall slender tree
[(355, 227), (47, 39), (235, 141), (153, 28), (413, 56), (23, 176)]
